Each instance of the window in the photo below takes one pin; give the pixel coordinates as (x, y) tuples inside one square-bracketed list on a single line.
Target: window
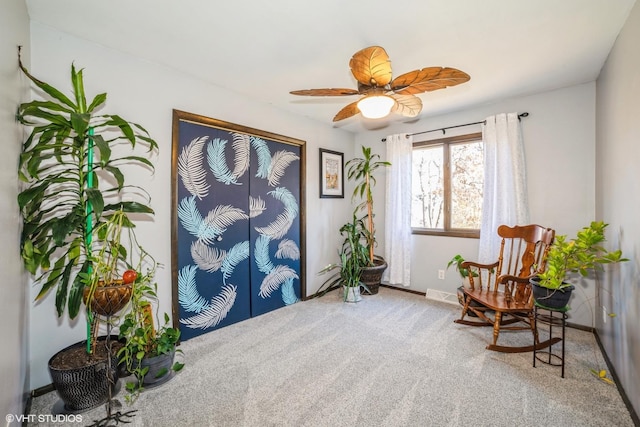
[(447, 181)]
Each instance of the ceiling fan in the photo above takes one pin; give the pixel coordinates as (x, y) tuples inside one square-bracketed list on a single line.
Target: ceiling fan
[(372, 69)]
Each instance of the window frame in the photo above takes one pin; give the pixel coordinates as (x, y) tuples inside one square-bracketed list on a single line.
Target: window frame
[(446, 143)]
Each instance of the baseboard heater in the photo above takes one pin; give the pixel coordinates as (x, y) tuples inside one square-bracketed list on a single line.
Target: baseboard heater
[(442, 296)]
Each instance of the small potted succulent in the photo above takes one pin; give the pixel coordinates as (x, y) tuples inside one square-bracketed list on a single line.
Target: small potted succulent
[(581, 254)]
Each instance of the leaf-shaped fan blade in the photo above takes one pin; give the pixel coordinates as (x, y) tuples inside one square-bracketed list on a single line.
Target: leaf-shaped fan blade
[(428, 79), (371, 67), (346, 112), (406, 105), (325, 92)]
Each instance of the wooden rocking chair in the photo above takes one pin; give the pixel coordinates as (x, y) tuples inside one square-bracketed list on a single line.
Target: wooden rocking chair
[(502, 288)]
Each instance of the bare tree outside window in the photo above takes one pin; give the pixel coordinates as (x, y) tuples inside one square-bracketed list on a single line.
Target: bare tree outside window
[(467, 180), (428, 188), (447, 184)]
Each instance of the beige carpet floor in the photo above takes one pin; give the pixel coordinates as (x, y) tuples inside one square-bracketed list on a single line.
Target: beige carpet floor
[(393, 359)]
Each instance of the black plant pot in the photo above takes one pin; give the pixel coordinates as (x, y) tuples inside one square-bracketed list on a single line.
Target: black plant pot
[(159, 369), (371, 276), (550, 298), (85, 387)]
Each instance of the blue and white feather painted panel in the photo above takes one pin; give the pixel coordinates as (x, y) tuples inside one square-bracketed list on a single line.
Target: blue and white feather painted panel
[(239, 228)]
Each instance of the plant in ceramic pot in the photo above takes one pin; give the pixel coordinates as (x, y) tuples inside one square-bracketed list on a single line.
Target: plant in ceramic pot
[(73, 184), (581, 254), (353, 258), (363, 171), (148, 353), (457, 261), (80, 375)]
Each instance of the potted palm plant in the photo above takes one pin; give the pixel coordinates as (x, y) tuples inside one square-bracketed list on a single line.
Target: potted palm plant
[(73, 185), (353, 257), (581, 254), (362, 170)]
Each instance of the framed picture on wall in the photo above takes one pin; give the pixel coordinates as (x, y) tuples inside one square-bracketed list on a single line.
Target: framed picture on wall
[(331, 174)]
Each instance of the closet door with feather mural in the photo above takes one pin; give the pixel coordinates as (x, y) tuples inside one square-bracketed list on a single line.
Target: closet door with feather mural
[(237, 226)]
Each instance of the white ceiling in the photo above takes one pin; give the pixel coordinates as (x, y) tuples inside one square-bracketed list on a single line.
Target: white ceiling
[(264, 49)]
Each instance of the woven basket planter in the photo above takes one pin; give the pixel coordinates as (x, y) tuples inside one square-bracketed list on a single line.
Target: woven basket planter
[(108, 299), (371, 276), (85, 387)]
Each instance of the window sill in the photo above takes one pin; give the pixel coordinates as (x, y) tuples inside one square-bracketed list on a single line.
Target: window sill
[(470, 234)]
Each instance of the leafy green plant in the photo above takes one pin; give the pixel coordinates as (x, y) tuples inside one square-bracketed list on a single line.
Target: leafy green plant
[(109, 254), (457, 260), (581, 254), (141, 339), (362, 170), (578, 255), (108, 285), (353, 256), (73, 182)]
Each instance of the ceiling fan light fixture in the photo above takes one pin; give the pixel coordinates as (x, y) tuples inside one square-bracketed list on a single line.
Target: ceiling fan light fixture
[(381, 93), (375, 106)]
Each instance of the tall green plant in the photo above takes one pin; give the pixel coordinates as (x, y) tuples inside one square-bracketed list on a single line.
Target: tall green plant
[(68, 192), (353, 256), (362, 170)]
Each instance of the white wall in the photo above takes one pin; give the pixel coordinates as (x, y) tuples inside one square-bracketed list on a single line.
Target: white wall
[(146, 93), (559, 137), (14, 31), (618, 202), (560, 147)]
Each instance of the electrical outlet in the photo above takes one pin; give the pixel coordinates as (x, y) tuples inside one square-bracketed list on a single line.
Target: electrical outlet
[(441, 274), (604, 314)]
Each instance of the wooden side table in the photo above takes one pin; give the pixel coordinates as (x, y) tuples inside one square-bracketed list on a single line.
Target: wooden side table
[(548, 319)]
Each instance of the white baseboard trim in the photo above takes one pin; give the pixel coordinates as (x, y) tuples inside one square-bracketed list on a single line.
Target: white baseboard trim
[(442, 296)]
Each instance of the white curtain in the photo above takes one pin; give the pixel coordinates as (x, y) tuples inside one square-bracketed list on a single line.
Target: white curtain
[(397, 225), (505, 181)]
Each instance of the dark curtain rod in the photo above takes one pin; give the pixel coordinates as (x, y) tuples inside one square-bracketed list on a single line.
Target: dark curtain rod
[(456, 126)]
